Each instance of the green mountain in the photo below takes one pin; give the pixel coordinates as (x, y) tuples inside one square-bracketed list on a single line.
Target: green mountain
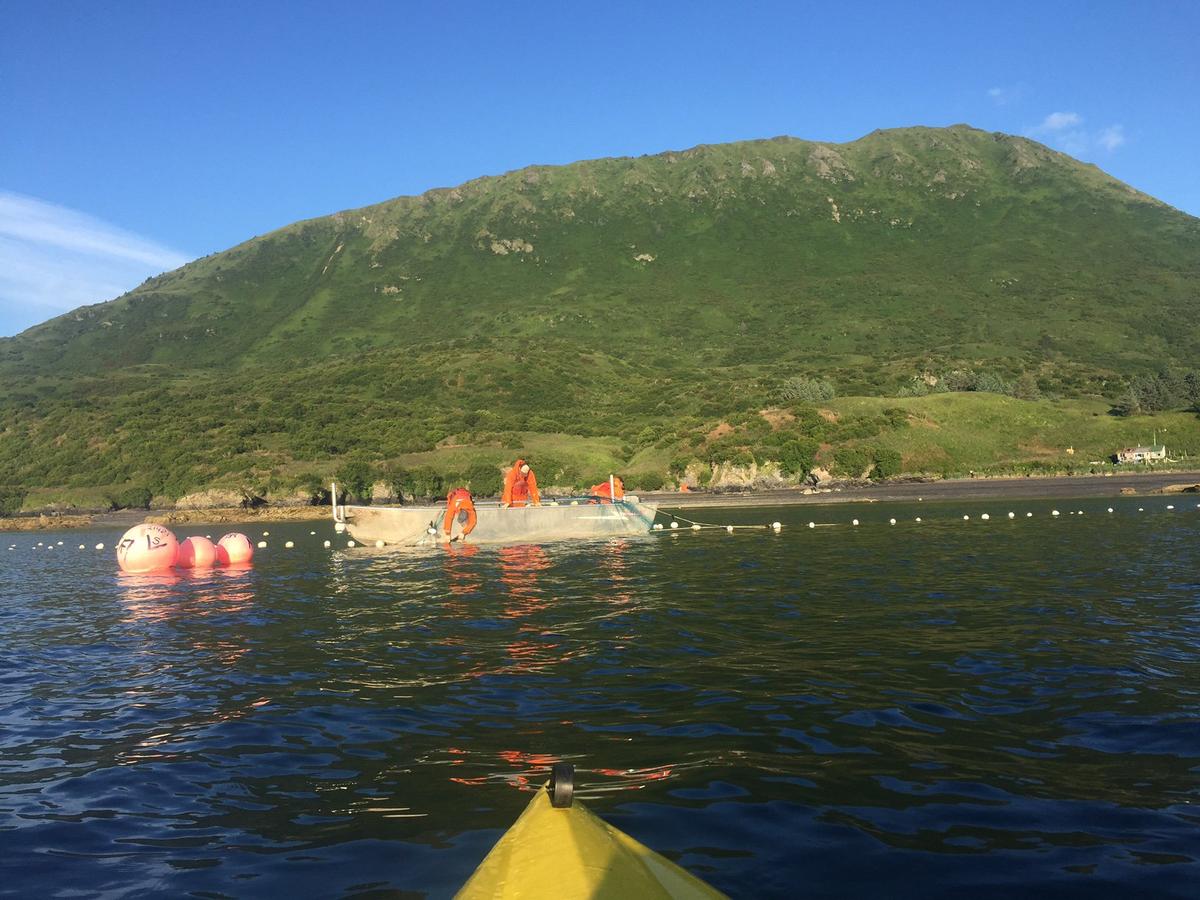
[(637, 303)]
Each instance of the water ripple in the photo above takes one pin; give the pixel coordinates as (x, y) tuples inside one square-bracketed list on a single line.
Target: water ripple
[(950, 708)]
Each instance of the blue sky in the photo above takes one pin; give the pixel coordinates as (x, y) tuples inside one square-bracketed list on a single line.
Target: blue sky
[(139, 135)]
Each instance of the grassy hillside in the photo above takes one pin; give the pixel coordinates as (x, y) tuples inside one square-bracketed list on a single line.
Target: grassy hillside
[(958, 433), (638, 303)]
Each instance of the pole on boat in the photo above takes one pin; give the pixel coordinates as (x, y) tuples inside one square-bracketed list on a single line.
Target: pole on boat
[(612, 488)]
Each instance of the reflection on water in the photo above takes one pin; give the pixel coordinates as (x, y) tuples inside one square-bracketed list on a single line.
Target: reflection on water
[(931, 709)]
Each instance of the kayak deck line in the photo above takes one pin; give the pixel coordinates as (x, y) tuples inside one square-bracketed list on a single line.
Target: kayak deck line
[(559, 849)]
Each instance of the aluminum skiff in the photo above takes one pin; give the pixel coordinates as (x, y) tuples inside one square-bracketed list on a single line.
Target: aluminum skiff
[(578, 519)]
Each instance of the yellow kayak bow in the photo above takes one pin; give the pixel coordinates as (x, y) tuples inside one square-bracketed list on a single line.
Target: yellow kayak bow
[(559, 849)]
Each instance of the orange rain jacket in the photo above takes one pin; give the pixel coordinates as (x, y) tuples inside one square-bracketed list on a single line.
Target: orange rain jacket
[(520, 489), (601, 490), (459, 500)]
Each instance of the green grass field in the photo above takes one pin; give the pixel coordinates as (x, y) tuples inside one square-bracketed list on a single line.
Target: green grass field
[(957, 433)]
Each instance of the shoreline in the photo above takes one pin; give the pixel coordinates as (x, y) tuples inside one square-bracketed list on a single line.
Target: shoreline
[(1046, 488), (1051, 487), (127, 518)]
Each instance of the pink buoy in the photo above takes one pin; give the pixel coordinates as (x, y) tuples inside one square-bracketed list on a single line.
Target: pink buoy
[(235, 550), (147, 548), (197, 553)]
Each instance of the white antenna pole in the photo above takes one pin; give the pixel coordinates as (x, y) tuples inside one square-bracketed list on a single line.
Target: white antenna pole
[(612, 487)]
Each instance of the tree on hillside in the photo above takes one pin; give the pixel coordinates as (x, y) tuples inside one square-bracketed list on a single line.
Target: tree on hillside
[(1026, 387), (1156, 393), (357, 478), (1191, 389), (398, 480)]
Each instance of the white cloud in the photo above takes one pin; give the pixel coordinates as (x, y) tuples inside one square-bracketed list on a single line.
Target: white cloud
[(1059, 121), (1065, 131), (1111, 137), (1003, 96), (54, 259)]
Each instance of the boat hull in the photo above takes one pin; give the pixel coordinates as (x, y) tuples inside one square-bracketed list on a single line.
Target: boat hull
[(410, 525), (572, 853)]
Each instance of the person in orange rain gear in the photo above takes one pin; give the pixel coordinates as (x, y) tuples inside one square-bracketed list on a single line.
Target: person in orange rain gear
[(520, 486), (459, 505), (604, 490)]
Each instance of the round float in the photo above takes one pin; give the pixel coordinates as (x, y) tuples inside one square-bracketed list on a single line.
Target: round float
[(234, 549), (196, 553), (147, 548)]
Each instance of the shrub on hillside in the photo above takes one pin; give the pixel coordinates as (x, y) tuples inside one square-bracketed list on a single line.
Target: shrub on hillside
[(356, 477), (956, 380), (914, 387), (313, 486), (135, 497), (647, 436), (796, 457), (426, 484), (398, 480), (991, 383), (680, 464), (851, 461), (552, 471), (484, 480), (808, 421), (648, 481), (741, 458), (11, 500), (887, 464), (807, 390)]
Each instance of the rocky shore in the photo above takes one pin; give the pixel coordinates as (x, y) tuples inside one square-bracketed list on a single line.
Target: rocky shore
[(946, 489)]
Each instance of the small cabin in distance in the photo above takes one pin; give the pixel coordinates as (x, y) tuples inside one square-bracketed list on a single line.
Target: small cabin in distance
[(1141, 454)]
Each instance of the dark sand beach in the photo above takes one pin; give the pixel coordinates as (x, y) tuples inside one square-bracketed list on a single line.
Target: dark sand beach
[(948, 489)]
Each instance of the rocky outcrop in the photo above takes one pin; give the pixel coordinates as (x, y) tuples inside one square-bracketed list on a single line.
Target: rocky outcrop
[(381, 492), (44, 522), (1186, 488), (829, 164), (215, 498), (728, 476)]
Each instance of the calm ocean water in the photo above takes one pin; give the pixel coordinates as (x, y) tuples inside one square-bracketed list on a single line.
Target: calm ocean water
[(929, 710)]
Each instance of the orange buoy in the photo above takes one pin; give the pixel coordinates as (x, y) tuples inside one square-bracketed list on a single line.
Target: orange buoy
[(235, 549), (147, 548), (196, 553)]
